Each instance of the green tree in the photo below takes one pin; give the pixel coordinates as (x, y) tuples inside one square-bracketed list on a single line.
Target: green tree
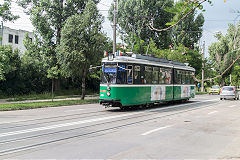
[(48, 18), (134, 16), (37, 63), (10, 64), (184, 55), (224, 52), (5, 12), (181, 10), (7, 61), (236, 75), (189, 31), (81, 43)]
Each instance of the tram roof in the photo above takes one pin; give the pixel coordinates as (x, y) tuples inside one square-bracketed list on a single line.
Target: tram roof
[(149, 60)]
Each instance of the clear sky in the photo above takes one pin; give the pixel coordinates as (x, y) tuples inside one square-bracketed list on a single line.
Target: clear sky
[(217, 17)]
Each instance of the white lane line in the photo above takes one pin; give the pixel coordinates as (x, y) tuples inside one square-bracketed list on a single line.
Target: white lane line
[(65, 125), (212, 112), (155, 130), (232, 106), (180, 105), (73, 110)]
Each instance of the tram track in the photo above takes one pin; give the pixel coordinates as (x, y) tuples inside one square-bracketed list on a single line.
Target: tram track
[(152, 112), (48, 118)]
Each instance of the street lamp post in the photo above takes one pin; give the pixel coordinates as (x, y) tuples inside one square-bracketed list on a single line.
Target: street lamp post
[(114, 26), (203, 58)]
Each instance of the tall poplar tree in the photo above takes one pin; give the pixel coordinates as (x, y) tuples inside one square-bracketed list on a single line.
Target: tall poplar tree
[(81, 43)]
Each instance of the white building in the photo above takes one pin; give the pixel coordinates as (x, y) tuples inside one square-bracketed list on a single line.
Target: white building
[(14, 37)]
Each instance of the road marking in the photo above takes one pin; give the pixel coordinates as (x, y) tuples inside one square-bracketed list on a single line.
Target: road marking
[(65, 124), (155, 130), (212, 112), (232, 106), (180, 105), (73, 110)]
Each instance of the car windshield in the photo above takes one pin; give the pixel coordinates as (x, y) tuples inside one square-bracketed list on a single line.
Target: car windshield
[(227, 88), (215, 87)]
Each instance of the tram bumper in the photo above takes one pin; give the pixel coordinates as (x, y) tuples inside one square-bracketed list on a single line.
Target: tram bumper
[(110, 102)]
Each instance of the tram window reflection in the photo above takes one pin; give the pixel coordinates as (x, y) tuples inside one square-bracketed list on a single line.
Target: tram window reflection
[(137, 75), (129, 74), (178, 77), (155, 75), (183, 77), (162, 75), (148, 75), (188, 78), (121, 75), (192, 79), (168, 74)]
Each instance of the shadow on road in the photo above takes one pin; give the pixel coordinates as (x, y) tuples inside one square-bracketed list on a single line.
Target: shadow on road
[(164, 107)]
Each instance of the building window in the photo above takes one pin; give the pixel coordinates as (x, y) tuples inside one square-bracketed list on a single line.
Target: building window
[(16, 39), (10, 38)]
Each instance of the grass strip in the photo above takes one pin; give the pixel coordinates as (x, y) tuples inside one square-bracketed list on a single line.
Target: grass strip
[(38, 98), (23, 106)]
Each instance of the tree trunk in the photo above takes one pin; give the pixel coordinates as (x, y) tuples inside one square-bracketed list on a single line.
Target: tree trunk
[(57, 84), (52, 89), (223, 81), (83, 83)]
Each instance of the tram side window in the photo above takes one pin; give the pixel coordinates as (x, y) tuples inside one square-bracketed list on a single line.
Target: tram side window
[(121, 75), (183, 77), (155, 75), (162, 75), (168, 76), (129, 74), (192, 79), (188, 77), (148, 75), (137, 75), (177, 77)]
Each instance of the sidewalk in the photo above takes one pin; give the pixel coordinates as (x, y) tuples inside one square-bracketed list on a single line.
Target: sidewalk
[(4, 101)]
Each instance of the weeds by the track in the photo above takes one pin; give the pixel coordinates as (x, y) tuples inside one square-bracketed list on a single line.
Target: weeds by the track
[(23, 106)]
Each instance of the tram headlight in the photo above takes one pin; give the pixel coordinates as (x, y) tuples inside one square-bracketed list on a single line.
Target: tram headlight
[(108, 88), (108, 94)]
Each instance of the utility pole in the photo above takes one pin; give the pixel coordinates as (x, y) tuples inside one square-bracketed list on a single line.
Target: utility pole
[(114, 26), (203, 58)]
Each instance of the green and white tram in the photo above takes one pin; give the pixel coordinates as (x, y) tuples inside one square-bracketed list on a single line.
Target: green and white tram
[(143, 80)]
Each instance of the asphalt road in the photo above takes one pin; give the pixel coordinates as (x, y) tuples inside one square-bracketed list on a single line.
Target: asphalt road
[(203, 128)]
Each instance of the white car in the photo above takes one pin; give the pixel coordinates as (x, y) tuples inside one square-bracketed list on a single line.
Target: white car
[(229, 92)]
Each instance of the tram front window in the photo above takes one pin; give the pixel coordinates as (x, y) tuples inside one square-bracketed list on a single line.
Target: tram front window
[(109, 74)]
